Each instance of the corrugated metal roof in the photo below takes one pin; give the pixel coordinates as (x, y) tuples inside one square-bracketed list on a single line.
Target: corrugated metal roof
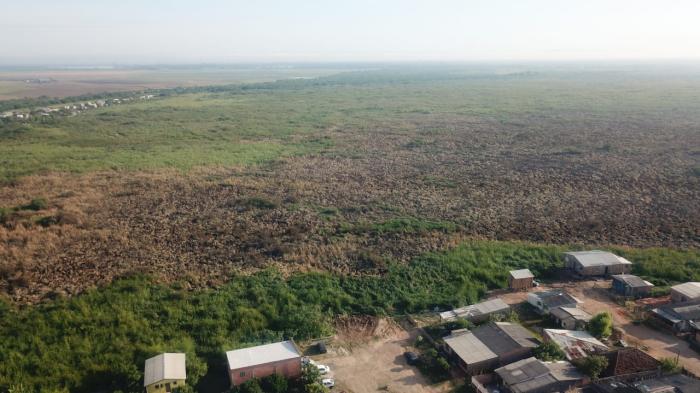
[(262, 354), (688, 311), (164, 366), (530, 374), (469, 348), (571, 312), (555, 298), (632, 281), (522, 273), (487, 307), (597, 258), (504, 337), (691, 290), (574, 343)]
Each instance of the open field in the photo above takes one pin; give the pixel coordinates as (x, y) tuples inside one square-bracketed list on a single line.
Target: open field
[(263, 211), (31, 83)]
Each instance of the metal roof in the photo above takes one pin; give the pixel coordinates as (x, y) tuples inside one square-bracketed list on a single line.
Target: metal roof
[(531, 374), (571, 312), (262, 354), (574, 343), (164, 366), (483, 308), (469, 348), (555, 298), (522, 273), (597, 258), (688, 311), (691, 290), (504, 337), (632, 280)]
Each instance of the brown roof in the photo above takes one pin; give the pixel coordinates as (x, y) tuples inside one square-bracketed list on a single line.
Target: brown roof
[(628, 361)]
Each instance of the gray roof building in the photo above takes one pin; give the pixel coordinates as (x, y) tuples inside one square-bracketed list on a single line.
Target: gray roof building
[(596, 263), (546, 301), (679, 316), (477, 312), (685, 292), (532, 375)]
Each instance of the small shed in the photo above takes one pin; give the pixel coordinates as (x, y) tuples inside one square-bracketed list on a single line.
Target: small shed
[(546, 301), (631, 286), (520, 279), (572, 318), (164, 373), (685, 292)]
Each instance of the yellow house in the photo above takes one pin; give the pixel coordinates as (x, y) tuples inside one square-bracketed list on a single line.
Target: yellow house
[(164, 373)]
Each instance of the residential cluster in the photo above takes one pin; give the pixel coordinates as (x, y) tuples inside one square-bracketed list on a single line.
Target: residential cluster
[(72, 109), (500, 356)]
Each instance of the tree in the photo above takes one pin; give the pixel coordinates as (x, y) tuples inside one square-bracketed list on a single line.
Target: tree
[(310, 374), (249, 386), (592, 365), (601, 325), (274, 383), (549, 351), (315, 387)]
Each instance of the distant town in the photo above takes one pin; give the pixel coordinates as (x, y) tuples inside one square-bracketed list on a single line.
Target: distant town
[(72, 109)]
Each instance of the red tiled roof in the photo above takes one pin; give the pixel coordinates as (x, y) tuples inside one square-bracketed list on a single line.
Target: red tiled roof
[(628, 361)]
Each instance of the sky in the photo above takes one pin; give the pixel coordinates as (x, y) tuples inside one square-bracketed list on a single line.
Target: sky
[(100, 32)]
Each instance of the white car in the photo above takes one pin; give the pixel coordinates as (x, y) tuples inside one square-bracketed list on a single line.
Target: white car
[(328, 382), (323, 369), (306, 360)]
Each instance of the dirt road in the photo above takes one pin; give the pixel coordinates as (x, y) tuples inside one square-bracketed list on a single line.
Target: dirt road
[(595, 298)]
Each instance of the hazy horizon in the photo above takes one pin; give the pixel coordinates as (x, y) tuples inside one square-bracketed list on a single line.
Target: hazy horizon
[(79, 32)]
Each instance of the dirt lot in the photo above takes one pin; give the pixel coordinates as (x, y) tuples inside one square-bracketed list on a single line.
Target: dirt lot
[(370, 359), (595, 298)]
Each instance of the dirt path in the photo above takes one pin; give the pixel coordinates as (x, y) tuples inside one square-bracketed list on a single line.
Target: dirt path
[(377, 364), (595, 299)]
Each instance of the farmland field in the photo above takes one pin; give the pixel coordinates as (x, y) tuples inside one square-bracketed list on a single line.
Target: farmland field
[(382, 191)]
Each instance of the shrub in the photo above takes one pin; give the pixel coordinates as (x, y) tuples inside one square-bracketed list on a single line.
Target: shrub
[(670, 365), (36, 204), (275, 383), (601, 325), (549, 351), (592, 365)]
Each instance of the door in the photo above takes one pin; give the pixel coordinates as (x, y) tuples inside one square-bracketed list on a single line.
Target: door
[(168, 388)]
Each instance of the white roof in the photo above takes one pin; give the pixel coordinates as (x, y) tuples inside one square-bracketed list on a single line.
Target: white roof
[(164, 366), (262, 354), (486, 307), (598, 258), (689, 289), (575, 343), (522, 273)]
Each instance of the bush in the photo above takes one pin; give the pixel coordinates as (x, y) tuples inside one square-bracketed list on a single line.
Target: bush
[(670, 365), (36, 204), (592, 365), (275, 383), (249, 386), (549, 351), (601, 325)]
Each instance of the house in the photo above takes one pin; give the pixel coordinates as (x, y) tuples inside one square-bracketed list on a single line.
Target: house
[(258, 362), (595, 263), (535, 376), (676, 383), (574, 343), (489, 346), (478, 312), (546, 301), (686, 292), (164, 373), (628, 285), (679, 317), (629, 363), (572, 318), (520, 279)]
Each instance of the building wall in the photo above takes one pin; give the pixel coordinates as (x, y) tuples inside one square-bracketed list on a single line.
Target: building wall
[(160, 387), (677, 297), (290, 369), (515, 355), (520, 283)]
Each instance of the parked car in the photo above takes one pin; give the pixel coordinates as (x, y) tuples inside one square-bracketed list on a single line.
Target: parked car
[(411, 357), (328, 382), (321, 348), (323, 369)]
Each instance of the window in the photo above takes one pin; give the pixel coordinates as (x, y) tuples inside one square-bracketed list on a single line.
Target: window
[(242, 373)]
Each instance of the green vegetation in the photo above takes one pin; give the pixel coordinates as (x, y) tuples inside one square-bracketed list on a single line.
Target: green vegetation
[(99, 340), (592, 365), (601, 325), (434, 366), (549, 351), (670, 365), (36, 204)]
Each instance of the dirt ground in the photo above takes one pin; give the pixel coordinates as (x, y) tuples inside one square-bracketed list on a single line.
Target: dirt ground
[(595, 298), (370, 359)]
